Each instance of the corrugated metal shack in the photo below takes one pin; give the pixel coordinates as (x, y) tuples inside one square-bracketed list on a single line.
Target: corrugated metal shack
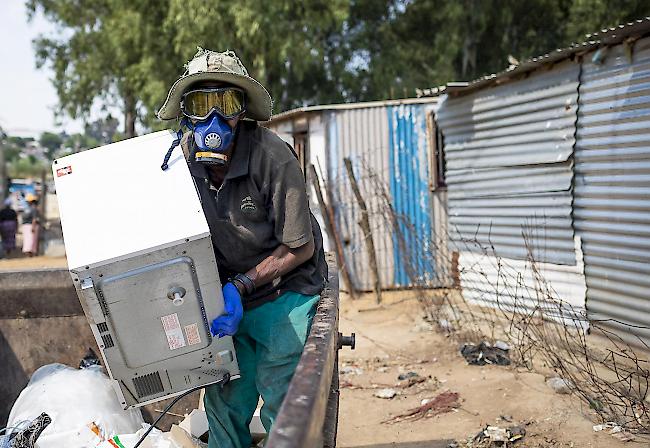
[(388, 143), (558, 149)]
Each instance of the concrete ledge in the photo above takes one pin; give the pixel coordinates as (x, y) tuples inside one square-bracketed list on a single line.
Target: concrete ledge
[(38, 293)]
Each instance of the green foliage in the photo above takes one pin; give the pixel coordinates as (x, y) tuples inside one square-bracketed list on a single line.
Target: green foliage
[(26, 167), (129, 52), (106, 50), (588, 16), (51, 142), (103, 131), (293, 47)]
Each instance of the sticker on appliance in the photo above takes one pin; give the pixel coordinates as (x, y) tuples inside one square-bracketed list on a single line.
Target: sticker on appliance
[(173, 331), (64, 171), (192, 333)]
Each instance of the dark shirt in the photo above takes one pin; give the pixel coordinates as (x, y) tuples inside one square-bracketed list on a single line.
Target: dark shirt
[(8, 214), (261, 204), (30, 214)]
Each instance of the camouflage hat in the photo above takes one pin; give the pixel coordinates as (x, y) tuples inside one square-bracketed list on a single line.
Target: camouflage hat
[(208, 65)]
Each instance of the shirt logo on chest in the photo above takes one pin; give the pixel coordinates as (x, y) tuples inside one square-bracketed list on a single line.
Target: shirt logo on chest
[(247, 206)]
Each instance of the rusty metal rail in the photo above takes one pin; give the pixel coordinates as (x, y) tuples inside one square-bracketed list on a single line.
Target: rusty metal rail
[(309, 413)]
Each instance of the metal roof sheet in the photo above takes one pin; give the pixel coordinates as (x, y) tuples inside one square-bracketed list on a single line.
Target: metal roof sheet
[(347, 106), (603, 38)]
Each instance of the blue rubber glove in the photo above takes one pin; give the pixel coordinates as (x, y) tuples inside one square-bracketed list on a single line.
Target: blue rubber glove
[(228, 322)]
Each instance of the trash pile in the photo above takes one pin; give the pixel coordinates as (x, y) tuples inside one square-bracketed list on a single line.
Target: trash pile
[(484, 353), (492, 436), (78, 408)]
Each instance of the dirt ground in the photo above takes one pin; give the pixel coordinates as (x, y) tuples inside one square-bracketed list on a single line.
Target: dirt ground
[(390, 341)]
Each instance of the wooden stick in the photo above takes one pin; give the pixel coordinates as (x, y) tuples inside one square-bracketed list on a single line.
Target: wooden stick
[(330, 223), (364, 222)]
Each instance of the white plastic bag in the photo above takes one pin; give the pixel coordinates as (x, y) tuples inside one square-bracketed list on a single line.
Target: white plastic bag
[(155, 439), (80, 403)]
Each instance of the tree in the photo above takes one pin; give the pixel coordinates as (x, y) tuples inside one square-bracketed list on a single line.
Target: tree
[(105, 49), (424, 43), (79, 142), (292, 47), (589, 16), (102, 130), (304, 52), (51, 142)]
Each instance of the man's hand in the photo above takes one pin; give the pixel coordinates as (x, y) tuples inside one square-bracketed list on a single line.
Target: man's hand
[(227, 323)]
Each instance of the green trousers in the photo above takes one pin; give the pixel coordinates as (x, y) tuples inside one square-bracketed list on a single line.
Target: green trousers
[(268, 343)]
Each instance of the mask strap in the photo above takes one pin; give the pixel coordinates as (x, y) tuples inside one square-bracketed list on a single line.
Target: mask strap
[(175, 143)]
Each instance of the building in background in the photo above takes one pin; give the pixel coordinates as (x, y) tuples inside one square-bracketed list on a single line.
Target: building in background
[(550, 160), (391, 145)]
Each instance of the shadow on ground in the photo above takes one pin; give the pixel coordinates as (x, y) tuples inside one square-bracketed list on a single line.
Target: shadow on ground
[(420, 444)]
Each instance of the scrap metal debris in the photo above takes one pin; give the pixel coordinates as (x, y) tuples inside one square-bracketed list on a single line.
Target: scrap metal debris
[(484, 353), (445, 402)]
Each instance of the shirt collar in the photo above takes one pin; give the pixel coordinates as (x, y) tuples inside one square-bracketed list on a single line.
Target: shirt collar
[(241, 154)]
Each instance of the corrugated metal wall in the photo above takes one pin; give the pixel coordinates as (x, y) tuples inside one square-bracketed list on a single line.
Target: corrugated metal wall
[(412, 199), (387, 145), (361, 135), (508, 154), (612, 187), (509, 171)]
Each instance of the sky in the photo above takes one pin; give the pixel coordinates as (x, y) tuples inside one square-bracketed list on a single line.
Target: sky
[(27, 97)]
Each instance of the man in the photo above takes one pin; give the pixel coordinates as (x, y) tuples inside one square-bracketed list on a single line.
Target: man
[(267, 244), (8, 227), (31, 226)]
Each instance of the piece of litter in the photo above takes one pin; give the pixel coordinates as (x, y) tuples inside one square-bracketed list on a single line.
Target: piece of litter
[(445, 325), (502, 345), (483, 353), (411, 382), (516, 433), (496, 434), (407, 375), (195, 423), (603, 426), (350, 370), (560, 385), (385, 393)]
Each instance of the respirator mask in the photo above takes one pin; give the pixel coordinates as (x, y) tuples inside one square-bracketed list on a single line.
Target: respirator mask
[(206, 112)]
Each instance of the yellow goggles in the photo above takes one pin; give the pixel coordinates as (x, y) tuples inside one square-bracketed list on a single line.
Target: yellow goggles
[(228, 102)]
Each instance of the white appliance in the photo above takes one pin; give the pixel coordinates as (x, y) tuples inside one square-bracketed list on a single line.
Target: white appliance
[(141, 258)]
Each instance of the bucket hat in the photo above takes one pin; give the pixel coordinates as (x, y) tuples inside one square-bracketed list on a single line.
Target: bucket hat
[(208, 65)]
